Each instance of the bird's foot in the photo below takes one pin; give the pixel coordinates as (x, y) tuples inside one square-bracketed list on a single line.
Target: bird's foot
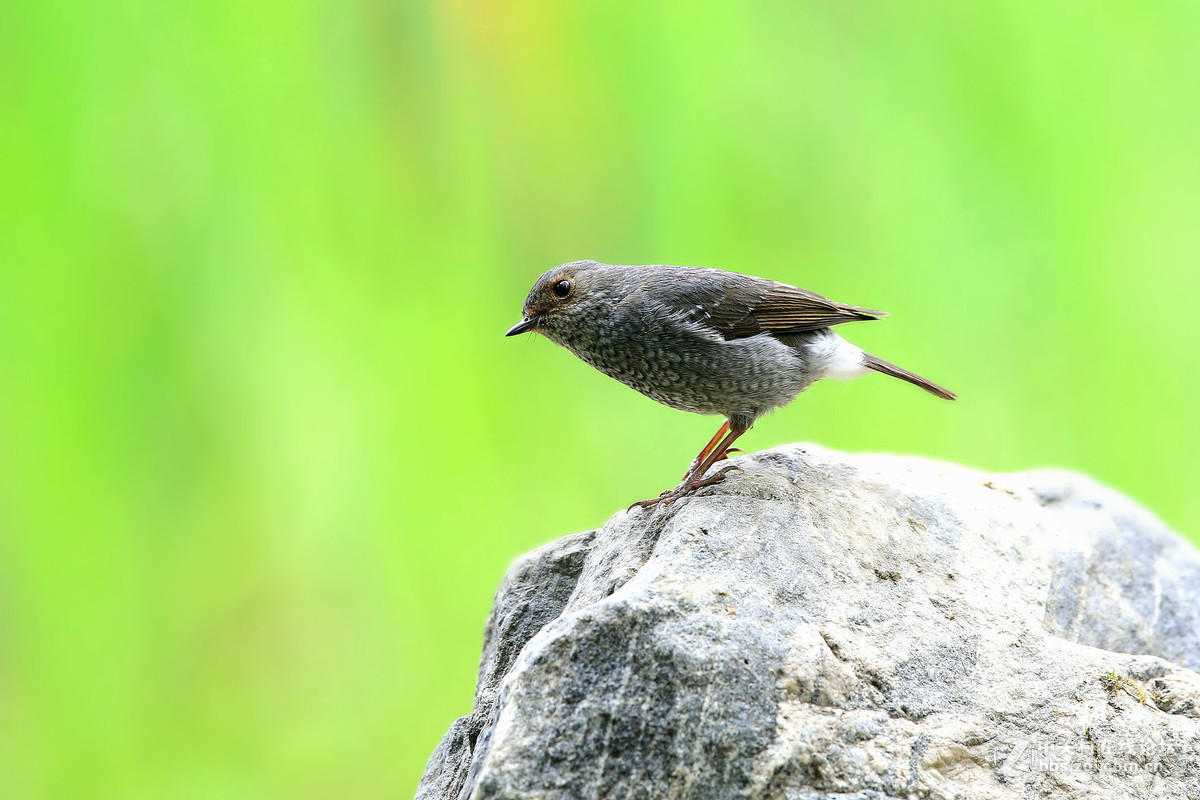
[(696, 462), (690, 484)]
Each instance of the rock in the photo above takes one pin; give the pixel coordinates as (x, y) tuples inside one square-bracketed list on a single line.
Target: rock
[(824, 625)]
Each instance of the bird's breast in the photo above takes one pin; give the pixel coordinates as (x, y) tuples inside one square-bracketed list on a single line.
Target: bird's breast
[(687, 366)]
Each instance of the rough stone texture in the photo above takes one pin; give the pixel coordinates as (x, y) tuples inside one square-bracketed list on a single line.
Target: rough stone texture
[(823, 625)]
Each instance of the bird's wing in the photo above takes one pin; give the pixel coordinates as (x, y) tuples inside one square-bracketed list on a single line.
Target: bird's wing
[(737, 306), (788, 309)]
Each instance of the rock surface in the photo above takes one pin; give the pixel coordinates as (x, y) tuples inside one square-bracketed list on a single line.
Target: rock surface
[(863, 627)]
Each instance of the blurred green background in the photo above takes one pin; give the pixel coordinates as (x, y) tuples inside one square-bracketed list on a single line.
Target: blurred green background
[(264, 450)]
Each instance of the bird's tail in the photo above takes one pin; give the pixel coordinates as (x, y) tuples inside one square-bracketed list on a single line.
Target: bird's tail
[(888, 368)]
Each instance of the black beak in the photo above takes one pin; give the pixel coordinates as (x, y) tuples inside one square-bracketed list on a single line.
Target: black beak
[(527, 324)]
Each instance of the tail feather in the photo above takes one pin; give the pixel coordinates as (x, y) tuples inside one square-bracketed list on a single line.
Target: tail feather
[(888, 368)]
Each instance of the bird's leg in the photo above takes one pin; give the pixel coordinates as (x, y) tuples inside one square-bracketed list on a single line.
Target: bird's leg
[(718, 453), (729, 450), (695, 477), (708, 448)]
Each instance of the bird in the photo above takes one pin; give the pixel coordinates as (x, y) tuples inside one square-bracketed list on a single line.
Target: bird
[(702, 340)]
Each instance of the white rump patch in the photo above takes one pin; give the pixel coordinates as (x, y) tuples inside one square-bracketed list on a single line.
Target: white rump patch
[(831, 356)]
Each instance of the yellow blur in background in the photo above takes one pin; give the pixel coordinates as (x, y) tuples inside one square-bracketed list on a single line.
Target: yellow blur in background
[(265, 452)]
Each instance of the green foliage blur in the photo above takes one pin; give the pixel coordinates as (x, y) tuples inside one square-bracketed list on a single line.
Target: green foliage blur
[(264, 450)]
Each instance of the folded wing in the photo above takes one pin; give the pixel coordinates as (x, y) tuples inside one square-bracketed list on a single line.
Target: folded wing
[(737, 306)]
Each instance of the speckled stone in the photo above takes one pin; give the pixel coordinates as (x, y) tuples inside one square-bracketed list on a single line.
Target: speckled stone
[(824, 625)]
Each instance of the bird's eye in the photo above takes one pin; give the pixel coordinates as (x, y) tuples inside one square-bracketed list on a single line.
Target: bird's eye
[(562, 289)]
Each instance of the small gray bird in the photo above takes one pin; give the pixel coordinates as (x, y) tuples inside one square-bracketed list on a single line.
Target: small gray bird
[(701, 340)]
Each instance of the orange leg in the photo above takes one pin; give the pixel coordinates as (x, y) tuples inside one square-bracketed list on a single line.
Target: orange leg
[(708, 448), (714, 455), (695, 477)]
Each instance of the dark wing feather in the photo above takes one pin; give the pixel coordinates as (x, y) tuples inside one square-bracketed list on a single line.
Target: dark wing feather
[(737, 306), (788, 309)]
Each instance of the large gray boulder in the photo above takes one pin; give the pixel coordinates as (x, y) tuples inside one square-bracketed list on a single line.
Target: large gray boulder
[(824, 625)]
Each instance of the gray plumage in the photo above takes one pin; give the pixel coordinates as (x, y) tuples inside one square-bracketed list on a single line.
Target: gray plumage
[(701, 340)]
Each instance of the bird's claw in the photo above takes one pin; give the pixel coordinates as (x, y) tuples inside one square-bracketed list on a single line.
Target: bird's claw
[(716, 477), (690, 484), (722, 457)]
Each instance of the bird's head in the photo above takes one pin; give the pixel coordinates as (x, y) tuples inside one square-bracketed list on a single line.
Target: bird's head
[(557, 295)]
